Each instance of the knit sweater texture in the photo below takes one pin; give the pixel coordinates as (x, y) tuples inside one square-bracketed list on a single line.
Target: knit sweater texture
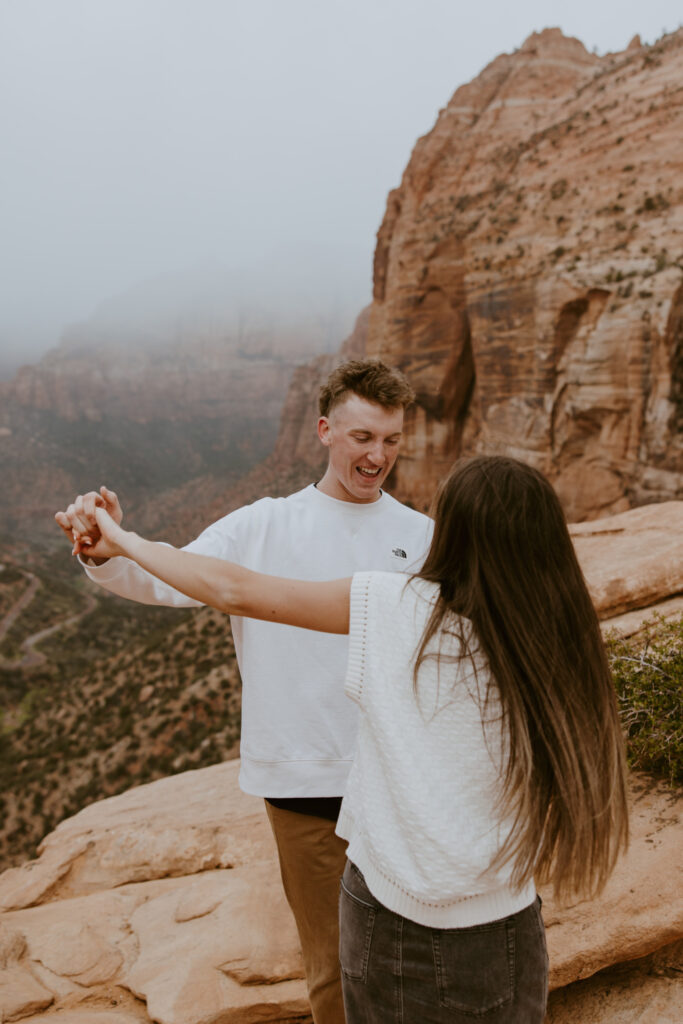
[(421, 810), (298, 728)]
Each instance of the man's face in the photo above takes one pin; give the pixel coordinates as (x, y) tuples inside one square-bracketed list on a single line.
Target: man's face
[(363, 440)]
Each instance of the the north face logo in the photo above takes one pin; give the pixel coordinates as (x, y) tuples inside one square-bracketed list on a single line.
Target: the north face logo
[(399, 552)]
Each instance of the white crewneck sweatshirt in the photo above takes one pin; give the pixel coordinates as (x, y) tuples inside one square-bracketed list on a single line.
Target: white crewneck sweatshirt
[(420, 810), (298, 728)]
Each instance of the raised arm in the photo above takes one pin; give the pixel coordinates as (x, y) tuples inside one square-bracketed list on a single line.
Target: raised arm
[(229, 587)]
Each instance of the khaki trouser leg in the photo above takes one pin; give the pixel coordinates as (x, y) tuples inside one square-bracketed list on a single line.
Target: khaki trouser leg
[(312, 861)]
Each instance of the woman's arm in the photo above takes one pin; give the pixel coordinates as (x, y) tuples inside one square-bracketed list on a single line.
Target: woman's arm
[(229, 587)]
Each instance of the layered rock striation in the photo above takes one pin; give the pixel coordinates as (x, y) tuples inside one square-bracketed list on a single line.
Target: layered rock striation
[(528, 275)]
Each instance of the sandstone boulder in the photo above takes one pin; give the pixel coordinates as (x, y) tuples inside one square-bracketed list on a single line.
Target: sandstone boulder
[(640, 909), (169, 893), (633, 560), (192, 928), (646, 991)]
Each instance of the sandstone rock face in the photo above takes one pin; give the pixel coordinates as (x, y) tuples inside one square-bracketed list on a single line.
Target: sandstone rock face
[(528, 275), (165, 903)]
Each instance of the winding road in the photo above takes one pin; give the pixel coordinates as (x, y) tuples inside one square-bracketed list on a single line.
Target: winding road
[(32, 657)]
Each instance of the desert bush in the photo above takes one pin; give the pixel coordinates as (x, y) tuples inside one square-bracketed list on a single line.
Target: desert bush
[(648, 675)]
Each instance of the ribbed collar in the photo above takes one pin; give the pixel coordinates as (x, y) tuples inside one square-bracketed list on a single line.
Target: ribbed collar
[(352, 508)]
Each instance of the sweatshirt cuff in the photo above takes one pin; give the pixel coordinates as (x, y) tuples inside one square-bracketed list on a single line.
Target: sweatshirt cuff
[(110, 570), (358, 626)]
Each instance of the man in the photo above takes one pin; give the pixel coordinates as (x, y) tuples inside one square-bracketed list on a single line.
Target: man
[(298, 728)]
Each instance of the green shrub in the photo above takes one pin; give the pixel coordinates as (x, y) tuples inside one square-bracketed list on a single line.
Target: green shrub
[(648, 674)]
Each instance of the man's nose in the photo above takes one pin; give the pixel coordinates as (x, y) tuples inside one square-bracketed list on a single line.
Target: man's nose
[(376, 453)]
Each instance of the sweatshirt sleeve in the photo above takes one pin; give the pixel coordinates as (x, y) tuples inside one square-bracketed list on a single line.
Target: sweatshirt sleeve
[(124, 577), (358, 628)]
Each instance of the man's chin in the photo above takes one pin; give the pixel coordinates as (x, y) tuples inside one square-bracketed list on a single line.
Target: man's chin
[(370, 480), (367, 488)]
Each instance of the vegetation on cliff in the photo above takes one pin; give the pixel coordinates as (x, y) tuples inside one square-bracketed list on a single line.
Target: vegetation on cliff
[(123, 696), (648, 674)]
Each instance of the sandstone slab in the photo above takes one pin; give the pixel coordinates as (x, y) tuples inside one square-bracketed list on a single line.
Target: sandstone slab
[(218, 943), (170, 892), (630, 623), (89, 1015), (634, 559), (77, 950), (21, 994), (195, 821), (648, 991), (640, 909), (235, 956)]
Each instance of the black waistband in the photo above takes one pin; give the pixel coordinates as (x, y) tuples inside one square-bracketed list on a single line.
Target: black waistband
[(318, 806)]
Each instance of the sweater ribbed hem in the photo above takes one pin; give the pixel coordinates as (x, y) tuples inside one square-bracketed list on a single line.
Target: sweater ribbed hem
[(458, 912)]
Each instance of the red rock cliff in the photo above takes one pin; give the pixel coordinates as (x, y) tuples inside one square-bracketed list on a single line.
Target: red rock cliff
[(529, 275)]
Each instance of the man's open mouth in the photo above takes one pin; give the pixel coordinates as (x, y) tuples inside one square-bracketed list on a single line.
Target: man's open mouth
[(367, 472)]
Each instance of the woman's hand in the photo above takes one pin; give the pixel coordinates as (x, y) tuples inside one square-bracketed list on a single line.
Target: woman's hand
[(78, 520), (112, 540)]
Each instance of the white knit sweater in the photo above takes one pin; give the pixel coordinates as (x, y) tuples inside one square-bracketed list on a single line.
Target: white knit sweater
[(420, 809)]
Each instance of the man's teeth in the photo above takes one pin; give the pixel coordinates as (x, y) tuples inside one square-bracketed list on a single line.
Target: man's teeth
[(368, 472)]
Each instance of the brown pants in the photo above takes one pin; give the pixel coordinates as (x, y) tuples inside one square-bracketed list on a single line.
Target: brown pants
[(312, 861)]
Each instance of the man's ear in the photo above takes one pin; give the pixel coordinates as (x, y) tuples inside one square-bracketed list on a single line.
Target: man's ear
[(324, 431)]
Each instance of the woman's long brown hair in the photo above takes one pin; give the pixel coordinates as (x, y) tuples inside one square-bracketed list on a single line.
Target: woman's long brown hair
[(503, 558)]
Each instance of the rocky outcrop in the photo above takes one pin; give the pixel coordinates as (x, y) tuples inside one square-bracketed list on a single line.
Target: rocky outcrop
[(528, 275), (633, 563), (166, 899), (646, 991), (165, 902)]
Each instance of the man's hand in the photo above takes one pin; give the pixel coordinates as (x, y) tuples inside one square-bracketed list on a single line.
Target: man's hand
[(79, 522)]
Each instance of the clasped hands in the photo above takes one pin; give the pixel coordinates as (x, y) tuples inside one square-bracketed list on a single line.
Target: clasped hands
[(92, 524)]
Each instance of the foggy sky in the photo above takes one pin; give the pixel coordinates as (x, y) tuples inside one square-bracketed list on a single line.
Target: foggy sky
[(143, 138)]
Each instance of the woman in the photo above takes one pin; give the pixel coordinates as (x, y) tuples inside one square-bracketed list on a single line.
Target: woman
[(489, 749)]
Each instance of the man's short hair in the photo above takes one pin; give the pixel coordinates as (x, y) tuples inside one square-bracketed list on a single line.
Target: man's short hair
[(369, 379)]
